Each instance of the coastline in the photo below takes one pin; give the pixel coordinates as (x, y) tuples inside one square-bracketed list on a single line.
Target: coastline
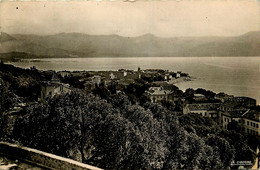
[(181, 79)]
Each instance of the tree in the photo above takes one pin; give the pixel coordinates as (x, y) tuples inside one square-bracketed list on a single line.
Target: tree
[(222, 148), (113, 133), (239, 144), (105, 136), (74, 81), (7, 98), (235, 126), (102, 91)]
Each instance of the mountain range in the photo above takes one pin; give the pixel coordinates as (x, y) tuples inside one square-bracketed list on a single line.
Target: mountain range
[(148, 45)]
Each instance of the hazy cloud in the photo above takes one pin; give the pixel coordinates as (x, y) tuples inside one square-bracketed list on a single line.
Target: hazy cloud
[(164, 18)]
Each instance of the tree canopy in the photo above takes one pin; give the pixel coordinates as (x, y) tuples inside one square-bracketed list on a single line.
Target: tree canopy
[(113, 133)]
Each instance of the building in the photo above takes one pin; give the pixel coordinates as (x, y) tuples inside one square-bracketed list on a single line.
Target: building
[(242, 101), (231, 115), (155, 88), (204, 109), (167, 86), (64, 73), (53, 87), (248, 119), (124, 73), (199, 97), (227, 107), (251, 122), (223, 97), (245, 101), (96, 80), (158, 94), (93, 82), (167, 77), (112, 76), (178, 74)]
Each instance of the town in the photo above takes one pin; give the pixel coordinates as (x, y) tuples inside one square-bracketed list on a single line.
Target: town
[(22, 88), (157, 86), (160, 88)]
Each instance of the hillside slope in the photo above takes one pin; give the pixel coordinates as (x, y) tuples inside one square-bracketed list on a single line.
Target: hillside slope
[(83, 45)]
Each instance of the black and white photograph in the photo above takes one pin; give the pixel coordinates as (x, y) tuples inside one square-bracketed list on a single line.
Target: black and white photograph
[(129, 84)]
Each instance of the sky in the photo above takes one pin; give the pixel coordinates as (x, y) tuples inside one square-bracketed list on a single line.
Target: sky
[(162, 18)]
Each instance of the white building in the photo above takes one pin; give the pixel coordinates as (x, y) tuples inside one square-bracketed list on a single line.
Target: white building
[(112, 76), (53, 87), (158, 94), (248, 119), (96, 80), (178, 74)]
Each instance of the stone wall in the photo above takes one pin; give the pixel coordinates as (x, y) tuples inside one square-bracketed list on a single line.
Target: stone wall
[(41, 159)]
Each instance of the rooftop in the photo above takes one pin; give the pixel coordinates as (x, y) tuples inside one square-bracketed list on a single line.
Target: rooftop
[(244, 98), (223, 95), (238, 113), (55, 77), (252, 115), (203, 106), (244, 113), (232, 104), (159, 92), (199, 95)]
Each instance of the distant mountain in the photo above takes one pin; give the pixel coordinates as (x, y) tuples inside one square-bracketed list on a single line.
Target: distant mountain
[(83, 45), (6, 37)]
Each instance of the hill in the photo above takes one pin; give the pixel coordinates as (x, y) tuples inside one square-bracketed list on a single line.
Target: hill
[(84, 45)]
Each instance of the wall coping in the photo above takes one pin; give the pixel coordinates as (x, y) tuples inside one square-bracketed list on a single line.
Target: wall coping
[(5, 145)]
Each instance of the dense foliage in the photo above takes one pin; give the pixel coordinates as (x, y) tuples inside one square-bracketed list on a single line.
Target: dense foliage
[(116, 134), (7, 98), (19, 85)]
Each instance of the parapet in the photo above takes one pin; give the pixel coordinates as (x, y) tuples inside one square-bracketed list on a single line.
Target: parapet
[(40, 158)]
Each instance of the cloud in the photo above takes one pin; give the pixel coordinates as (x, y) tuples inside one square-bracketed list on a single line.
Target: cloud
[(162, 18)]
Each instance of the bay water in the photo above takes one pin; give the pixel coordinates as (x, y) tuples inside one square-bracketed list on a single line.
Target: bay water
[(239, 76)]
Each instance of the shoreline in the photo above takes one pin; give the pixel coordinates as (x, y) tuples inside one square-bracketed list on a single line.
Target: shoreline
[(181, 79)]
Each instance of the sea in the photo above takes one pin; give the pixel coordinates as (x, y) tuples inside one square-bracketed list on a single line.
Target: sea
[(239, 76)]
